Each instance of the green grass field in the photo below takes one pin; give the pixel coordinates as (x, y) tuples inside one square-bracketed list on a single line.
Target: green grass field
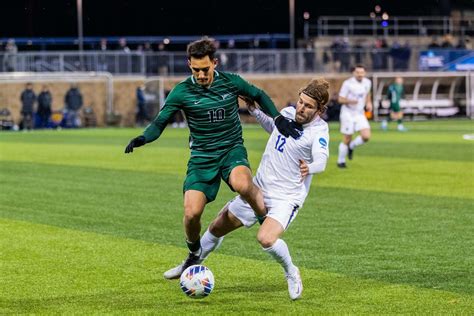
[(86, 229)]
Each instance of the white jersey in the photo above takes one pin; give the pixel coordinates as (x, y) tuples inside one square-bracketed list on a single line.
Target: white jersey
[(278, 174), (355, 90)]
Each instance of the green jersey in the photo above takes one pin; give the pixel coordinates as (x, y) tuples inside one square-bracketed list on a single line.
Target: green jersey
[(211, 112), (395, 94)]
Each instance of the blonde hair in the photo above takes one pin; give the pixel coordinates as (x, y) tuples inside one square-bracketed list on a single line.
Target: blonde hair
[(317, 89)]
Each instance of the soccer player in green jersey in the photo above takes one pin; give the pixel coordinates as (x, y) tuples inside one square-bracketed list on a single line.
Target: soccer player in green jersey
[(209, 99), (394, 94)]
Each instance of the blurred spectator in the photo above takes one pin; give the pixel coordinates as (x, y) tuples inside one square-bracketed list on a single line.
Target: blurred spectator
[(44, 107), (10, 55), (358, 50), (309, 57), (335, 49), (447, 41), (151, 66), (400, 55), (162, 60), (103, 45), (141, 117), (434, 43), (1, 56), (123, 45), (379, 55), (405, 56), (28, 99), (468, 43), (124, 62), (464, 43), (103, 66), (73, 102), (333, 109), (231, 44), (345, 55)]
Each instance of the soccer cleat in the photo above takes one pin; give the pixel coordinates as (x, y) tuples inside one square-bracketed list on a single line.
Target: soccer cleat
[(295, 285), (176, 272), (350, 152), (401, 128), (342, 165)]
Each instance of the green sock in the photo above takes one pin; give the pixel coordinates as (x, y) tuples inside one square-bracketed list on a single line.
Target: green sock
[(399, 121)]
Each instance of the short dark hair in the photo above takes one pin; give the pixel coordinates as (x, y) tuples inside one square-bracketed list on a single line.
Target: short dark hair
[(358, 66), (202, 48)]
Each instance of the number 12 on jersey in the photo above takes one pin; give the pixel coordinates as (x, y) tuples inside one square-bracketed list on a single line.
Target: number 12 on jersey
[(281, 141)]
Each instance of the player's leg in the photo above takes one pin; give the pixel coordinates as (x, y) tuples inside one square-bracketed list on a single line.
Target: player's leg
[(277, 220), (343, 150), (235, 171), (194, 203), (240, 179), (346, 129), (400, 126), (200, 187), (224, 223), (363, 127)]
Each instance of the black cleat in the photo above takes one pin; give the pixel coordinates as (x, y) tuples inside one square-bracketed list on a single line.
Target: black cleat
[(175, 273), (350, 153), (342, 165)]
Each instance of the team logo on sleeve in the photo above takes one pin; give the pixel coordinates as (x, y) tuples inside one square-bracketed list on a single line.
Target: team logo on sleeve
[(323, 142)]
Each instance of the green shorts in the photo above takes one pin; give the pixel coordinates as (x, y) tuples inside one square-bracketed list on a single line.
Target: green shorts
[(206, 169), (395, 107)]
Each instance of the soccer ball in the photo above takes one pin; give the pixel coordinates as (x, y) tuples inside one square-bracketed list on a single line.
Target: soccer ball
[(197, 281)]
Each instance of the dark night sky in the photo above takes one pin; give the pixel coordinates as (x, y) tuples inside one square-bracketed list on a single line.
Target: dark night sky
[(57, 18)]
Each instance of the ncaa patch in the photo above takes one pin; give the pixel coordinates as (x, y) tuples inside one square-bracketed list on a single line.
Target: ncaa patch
[(323, 142)]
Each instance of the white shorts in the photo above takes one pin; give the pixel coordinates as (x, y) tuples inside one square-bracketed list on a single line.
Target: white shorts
[(351, 123), (282, 211)]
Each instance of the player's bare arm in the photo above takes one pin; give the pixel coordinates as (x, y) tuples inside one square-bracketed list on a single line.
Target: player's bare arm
[(368, 103)]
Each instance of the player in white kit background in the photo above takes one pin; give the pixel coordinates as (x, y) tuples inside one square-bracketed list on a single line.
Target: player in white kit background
[(355, 98), (284, 176)]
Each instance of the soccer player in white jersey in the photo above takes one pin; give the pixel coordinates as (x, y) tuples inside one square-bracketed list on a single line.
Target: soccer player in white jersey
[(354, 96), (284, 176)]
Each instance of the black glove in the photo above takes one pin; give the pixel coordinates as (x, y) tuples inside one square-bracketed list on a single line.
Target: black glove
[(287, 127), (136, 142)]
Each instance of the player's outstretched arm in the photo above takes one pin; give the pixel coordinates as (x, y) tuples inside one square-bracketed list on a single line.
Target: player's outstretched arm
[(264, 120), (135, 142)]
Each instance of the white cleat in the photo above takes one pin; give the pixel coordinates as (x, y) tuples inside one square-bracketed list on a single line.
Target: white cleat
[(176, 272), (295, 285)]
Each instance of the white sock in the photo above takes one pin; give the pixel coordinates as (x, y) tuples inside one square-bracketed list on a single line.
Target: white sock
[(279, 251), (356, 142), (209, 243), (342, 153)]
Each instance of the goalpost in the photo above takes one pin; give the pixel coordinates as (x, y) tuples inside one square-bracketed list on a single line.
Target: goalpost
[(10, 88)]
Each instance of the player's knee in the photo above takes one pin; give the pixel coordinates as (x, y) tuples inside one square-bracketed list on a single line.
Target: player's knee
[(244, 188), (192, 214), (266, 240)]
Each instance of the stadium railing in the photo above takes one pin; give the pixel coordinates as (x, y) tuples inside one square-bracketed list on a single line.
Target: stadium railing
[(266, 61), (391, 26)]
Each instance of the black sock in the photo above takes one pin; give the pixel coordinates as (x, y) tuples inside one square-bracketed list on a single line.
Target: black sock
[(194, 247)]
